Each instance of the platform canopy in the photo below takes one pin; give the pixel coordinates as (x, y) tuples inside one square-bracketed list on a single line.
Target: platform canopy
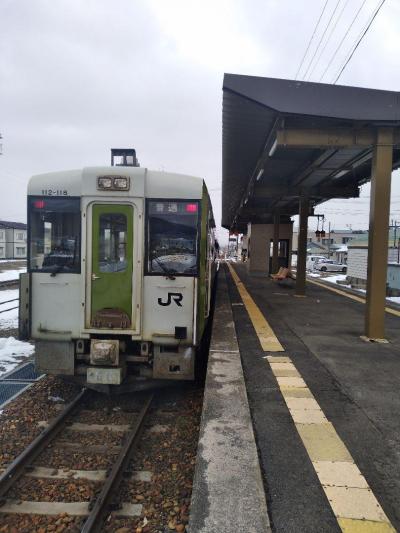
[(286, 139)]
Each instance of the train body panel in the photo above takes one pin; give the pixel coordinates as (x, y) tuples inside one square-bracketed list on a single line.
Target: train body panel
[(121, 263), (59, 319), (169, 304)]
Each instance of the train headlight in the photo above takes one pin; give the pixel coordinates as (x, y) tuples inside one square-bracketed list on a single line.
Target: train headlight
[(105, 183), (113, 183), (121, 183)]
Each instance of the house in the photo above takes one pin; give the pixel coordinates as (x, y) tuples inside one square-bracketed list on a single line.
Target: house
[(315, 248), (338, 252), (357, 260), (13, 236), (333, 244)]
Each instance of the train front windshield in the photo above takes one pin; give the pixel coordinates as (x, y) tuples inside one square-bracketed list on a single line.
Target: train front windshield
[(172, 237), (54, 234)]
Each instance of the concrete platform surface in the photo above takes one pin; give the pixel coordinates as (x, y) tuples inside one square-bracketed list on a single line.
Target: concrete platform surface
[(228, 494), (325, 411)]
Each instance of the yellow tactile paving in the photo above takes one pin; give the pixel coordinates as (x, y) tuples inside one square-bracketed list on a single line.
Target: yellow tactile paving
[(349, 525), (291, 382), (340, 474), (351, 296), (281, 365), (278, 359), (323, 443), (347, 490), (294, 392), (304, 416), (352, 501), (303, 403), (268, 339), (287, 373)]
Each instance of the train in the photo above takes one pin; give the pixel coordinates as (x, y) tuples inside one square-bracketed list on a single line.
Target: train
[(121, 267)]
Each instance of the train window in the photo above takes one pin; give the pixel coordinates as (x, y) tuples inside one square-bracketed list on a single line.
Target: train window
[(55, 230), (112, 251), (172, 238)]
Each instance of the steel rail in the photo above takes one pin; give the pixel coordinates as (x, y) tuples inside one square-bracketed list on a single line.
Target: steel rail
[(18, 467), (10, 309), (8, 301), (101, 507), (9, 283)]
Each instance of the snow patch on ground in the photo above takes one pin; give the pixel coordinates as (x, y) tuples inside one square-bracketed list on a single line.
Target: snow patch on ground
[(9, 275), (9, 320), (12, 352), (335, 279), (395, 299), (9, 294)]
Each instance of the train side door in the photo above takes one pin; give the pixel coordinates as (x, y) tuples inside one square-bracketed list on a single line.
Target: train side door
[(111, 266)]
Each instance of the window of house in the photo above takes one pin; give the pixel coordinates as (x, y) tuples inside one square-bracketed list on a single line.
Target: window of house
[(21, 250)]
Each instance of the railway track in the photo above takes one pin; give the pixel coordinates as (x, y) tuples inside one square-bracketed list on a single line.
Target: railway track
[(10, 284), (93, 513)]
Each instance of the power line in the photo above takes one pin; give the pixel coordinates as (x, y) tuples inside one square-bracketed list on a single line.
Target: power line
[(329, 38), (311, 39), (322, 37), (342, 40), (360, 39)]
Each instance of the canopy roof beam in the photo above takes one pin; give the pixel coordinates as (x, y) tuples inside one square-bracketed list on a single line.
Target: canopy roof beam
[(319, 191), (330, 137)]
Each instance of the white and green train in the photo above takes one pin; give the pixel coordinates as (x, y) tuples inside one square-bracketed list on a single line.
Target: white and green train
[(121, 264)]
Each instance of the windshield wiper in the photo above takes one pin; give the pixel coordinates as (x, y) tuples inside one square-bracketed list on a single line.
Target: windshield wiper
[(57, 270), (60, 268), (170, 272)]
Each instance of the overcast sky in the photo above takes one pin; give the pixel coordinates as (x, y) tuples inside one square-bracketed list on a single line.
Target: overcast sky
[(78, 77)]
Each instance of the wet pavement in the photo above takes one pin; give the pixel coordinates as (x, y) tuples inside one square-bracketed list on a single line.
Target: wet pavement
[(355, 384)]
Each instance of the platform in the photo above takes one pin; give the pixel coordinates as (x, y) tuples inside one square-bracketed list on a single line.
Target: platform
[(325, 410), (228, 493)]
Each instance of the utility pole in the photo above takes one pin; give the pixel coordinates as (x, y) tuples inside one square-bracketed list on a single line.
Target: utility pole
[(329, 240)]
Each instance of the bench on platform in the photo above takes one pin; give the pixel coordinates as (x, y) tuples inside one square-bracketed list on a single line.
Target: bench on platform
[(283, 273)]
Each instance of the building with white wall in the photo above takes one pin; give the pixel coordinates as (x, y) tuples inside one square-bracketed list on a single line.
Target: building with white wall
[(13, 237), (334, 237), (357, 258)]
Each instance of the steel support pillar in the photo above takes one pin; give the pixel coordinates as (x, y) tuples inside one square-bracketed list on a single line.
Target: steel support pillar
[(275, 243), (302, 246), (378, 236)]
